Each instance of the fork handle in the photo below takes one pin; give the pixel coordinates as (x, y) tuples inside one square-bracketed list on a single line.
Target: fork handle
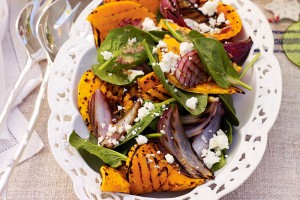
[(18, 154), (15, 90)]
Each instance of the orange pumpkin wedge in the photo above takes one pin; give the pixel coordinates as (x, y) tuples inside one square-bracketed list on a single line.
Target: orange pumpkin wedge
[(233, 28), (151, 5), (209, 87), (109, 16)]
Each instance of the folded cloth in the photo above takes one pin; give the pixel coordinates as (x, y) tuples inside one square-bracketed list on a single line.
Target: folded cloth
[(12, 60)]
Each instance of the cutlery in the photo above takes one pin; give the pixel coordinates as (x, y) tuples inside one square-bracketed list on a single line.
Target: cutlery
[(52, 31), (34, 54)]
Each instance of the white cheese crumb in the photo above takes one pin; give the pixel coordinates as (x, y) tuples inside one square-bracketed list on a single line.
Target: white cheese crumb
[(127, 127), (131, 41), (169, 62), (140, 139), (210, 7), (149, 25), (219, 141), (209, 158), (204, 28), (185, 47), (106, 55), (162, 132), (103, 125), (112, 128), (100, 139), (149, 105), (221, 18), (158, 152), (175, 90), (115, 142), (191, 103), (110, 74), (161, 45), (120, 108), (169, 158), (122, 138), (142, 112), (133, 73)]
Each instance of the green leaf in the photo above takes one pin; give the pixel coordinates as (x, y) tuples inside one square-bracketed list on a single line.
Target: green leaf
[(291, 43), (180, 95), (227, 128), (125, 55), (193, 35), (220, 164), (217, 63), (230, 115), (179, 35), (139, 126), (159, 34), (93, 161), (108, 156)]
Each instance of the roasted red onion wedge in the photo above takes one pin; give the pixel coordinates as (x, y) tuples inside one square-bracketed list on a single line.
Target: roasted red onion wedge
[(201, 141), (128, 119), (176, 143), (238, 51), (188, 10), (132, 22), (169, 9), (100, 114), (210, 112), (190, 70)]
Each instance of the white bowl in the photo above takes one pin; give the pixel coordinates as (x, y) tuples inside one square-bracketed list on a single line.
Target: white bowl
[(257, 110)]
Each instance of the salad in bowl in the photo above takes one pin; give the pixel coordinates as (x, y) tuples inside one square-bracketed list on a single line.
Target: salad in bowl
[(158, 101)]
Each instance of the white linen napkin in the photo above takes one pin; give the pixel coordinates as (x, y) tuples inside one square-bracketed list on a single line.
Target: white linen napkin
[(12, 60)]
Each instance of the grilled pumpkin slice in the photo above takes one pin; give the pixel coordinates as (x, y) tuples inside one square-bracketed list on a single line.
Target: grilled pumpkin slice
[(152, 5), (148, 171), (109, 16), (113, 180)]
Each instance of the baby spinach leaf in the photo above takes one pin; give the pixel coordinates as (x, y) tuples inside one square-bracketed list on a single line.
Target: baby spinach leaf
[(227, 128), (108, 156), (178, 34), (230, 115), (125, 55), (217, 63), (193, 35), (180, 95), (138, 127), (220, 164)]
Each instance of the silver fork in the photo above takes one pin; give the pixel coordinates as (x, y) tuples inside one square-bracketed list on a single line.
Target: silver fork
[(53, 24)]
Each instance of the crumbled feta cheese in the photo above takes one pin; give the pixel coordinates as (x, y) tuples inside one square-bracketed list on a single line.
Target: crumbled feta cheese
[(115, 142), (162, 132), (191, 103), (149, 25), (109, 74), (112, 128), (209, 158), (120, 108), (169, 62), (142, 112), (203, 139), (212, 22), (156, 166), (140, 139), (106, 55), (122, 138), (221, 18), (204, 28), (149, 105), (134, 73), (185, 47), (169, 158), (131, 41), (175, 90), (158, 152), (161, 45), (100, 139), (103, 125), (127, 127), (150, 160), (210, 7), (219, 141)]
